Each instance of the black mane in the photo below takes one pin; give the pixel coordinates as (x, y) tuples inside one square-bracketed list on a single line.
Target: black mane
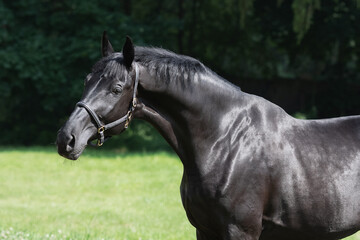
[(166, 65)]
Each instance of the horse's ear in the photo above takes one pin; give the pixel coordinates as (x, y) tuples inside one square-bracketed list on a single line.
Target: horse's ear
[(106, 48), (128, 52)]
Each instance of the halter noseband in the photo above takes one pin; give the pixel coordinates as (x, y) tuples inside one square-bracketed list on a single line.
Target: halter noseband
[(127, 118)]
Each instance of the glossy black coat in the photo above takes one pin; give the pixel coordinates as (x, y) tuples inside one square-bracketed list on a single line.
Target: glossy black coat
[(251, 171)]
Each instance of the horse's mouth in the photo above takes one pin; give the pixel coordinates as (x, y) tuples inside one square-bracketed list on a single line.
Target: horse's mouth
[(73, 154)]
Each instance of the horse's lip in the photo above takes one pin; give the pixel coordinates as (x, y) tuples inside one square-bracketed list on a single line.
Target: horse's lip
[(71, 156), (74, 157), (74, 154)]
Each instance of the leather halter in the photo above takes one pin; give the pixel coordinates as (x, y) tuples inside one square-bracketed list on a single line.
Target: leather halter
[(126, 118)]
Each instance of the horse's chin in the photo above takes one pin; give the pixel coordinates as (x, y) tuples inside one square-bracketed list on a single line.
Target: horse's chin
[(74, 154)]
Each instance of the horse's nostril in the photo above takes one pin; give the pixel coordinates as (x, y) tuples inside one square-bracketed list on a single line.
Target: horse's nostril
[(71, 144)]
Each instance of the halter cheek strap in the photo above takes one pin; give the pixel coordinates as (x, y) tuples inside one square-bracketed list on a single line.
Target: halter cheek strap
[(126, 118)]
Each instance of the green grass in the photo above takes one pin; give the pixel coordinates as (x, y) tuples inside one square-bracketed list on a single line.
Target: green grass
[(104, 195)]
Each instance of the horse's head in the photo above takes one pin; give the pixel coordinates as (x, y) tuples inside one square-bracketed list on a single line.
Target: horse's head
[(106, 104)]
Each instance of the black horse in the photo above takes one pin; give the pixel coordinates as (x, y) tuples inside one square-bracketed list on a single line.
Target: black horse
[(251, 171)]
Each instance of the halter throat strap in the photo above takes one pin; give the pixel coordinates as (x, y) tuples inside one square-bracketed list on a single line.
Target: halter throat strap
[(101, 128)]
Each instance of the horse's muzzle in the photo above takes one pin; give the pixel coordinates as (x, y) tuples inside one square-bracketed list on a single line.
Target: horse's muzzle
[(66, 145), (73, 137)]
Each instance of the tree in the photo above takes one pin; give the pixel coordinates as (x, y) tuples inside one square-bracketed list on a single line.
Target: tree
[(47, 47)]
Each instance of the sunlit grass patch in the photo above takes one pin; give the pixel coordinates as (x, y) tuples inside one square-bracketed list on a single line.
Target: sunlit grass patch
[(104, 195)]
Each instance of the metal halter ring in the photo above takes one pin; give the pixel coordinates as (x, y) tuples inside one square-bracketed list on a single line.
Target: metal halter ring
[(101, 129)]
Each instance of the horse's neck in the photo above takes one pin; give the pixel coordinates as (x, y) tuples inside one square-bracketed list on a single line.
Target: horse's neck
[(186, 113)]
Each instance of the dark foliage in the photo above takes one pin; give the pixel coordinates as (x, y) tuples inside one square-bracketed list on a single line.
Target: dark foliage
[(47, 48)]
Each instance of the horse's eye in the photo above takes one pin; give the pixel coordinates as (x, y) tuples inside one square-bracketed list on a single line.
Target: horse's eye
[(117, 89)]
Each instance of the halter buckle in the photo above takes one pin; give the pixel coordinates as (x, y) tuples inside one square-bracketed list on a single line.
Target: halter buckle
[(127, 122), (99, 143)]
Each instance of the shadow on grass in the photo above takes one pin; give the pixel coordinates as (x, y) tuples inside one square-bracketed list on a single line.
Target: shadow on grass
[(93, 152)]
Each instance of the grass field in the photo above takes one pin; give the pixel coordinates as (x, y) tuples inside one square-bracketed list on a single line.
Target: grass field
[(104, 195)]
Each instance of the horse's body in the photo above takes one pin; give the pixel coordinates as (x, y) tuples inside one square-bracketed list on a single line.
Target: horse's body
[(251, 171)]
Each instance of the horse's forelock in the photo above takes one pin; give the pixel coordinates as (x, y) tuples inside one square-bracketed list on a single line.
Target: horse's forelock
[(111, 66), (115, 68)]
